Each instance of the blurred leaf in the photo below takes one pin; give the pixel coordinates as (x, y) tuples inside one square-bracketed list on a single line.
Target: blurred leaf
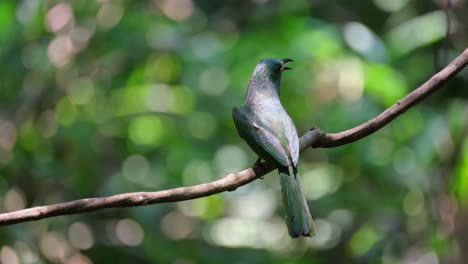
[(385, 84)]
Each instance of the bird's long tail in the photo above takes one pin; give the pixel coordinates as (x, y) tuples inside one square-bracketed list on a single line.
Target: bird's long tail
[(298, 216)]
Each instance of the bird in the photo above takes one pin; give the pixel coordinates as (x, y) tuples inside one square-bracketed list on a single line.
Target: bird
[(270, 132)]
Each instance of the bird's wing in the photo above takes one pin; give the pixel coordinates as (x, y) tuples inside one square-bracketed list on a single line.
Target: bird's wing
[(292, 139), (281, 126), (261, 136)]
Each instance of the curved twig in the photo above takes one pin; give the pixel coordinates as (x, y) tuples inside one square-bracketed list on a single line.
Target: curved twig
[(314, 138), (422, 92)]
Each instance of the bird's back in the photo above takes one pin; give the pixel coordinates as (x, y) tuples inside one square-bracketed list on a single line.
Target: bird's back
[(269, 131), (273, 117)]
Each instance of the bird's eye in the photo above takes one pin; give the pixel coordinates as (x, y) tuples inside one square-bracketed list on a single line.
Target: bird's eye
[(278, 67)]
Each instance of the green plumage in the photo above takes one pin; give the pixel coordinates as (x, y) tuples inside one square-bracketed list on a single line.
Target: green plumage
[(269, 130), (297, 211)]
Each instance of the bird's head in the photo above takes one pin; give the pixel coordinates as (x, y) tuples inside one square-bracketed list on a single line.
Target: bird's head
[(266, 78), (271, 68)]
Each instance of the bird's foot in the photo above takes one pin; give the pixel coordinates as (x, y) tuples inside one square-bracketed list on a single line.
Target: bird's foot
[(258, 161), (260, 164)]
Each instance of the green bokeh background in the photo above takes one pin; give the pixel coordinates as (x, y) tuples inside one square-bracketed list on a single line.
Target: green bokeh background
[(105, 97)]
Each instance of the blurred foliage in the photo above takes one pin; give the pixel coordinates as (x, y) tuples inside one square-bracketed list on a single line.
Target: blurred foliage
[(104, 97)]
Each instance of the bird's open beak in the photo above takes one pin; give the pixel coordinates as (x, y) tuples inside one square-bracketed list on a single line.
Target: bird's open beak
[(283, 62)]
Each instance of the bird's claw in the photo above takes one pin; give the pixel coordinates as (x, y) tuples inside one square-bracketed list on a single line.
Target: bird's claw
[(258, 162)]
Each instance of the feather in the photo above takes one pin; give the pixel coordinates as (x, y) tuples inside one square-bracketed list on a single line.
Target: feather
[(298, 218)]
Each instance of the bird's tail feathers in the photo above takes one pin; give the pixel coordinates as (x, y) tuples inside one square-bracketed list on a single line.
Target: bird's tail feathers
[(298, 217)]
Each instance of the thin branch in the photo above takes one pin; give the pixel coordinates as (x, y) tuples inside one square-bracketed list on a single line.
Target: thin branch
[(313, 138), (416, 96)]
